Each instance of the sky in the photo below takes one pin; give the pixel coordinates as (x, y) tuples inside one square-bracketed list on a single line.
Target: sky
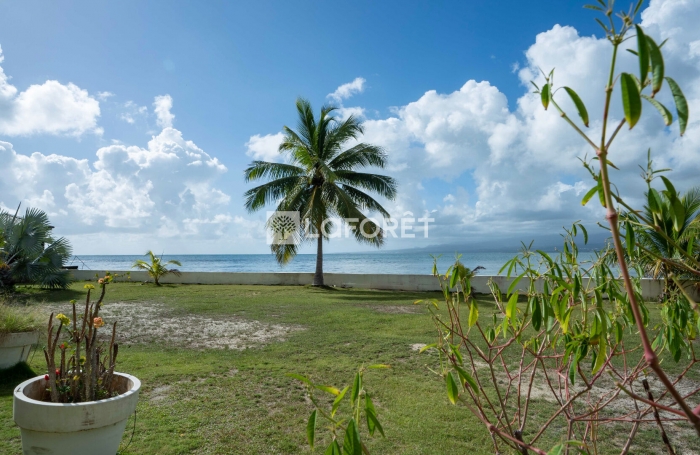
[(131, 122)]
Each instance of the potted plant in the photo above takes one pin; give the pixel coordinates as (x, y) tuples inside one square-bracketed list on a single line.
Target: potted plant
[(82, 404), (19, 331)]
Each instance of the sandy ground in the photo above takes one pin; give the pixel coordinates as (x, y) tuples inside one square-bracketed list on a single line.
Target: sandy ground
[(146, 322)]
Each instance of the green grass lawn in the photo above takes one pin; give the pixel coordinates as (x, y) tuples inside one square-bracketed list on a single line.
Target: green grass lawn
[(196, 399)]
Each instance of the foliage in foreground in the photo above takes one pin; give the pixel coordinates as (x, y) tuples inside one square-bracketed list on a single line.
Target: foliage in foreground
[(569, 336), (345, 430), (84, 370), (28, 252), (569, 339), (19, 318)]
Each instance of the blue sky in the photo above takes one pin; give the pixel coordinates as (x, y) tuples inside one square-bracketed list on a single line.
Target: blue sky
[(233, 71)]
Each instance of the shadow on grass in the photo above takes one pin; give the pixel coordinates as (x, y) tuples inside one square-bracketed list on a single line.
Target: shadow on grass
[(372, 294), (35, 293), (12, 377)]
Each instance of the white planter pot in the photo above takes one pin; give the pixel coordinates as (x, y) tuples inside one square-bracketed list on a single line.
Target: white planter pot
[(93, 428), (15, 347)]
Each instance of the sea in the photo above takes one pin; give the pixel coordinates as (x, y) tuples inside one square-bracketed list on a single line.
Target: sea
[(364, 263)]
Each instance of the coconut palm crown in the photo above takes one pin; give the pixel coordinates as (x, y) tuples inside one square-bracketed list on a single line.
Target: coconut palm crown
[(321, 180)]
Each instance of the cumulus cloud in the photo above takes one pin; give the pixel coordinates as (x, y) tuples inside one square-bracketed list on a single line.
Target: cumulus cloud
[(523, 161), (345, 91), (161, 106), (166, 187), (264, 148), (50, 108)]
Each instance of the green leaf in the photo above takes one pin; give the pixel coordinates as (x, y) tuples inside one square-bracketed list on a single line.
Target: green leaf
[(582, 112), (372, 417), (593, 7), (589, 195), (681, 104), (452, 388), (657, 66), (379, 366), (333, 449), (601, 192), (654, 201), (352, 444), (426, 347), (338, 400), (585, 233), (467, 378), (672, 193), (473, 313), (311, 429), (356, 387), (515, 282), (631, 101), (536, 314), (299, 378), (602, 355), (572, 370), (512, 306), (665, 113), (677, 214), (328, 389), (629, 238), (557, 449), (643, 54), (454, 278), (545, 95)]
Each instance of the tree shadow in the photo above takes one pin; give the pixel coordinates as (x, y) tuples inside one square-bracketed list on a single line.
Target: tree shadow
[(25, 294), (376, 295), (12, 377)]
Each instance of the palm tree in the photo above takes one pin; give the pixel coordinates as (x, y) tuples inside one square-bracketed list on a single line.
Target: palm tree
[(157, 268), (678, 217), (321, 180), (29, 253)]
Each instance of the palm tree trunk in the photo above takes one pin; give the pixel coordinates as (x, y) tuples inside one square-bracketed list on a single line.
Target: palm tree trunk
[(318, 276)]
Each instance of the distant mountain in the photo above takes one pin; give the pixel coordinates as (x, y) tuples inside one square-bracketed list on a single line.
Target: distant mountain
[(511, 244)]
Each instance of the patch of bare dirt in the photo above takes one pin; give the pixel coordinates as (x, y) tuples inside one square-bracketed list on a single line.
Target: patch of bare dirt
[(396, 309), (154, 323)]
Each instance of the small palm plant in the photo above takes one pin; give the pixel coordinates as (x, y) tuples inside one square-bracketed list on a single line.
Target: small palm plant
[(157, 268)]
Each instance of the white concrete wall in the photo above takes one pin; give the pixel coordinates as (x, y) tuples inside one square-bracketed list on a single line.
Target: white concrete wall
[(650, 288)]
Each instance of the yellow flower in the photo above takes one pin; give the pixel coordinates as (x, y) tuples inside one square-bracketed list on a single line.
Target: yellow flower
[(89, 286), (98, 322), (63, 318)]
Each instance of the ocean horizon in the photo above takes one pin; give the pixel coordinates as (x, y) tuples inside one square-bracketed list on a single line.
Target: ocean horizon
[(362, 263)]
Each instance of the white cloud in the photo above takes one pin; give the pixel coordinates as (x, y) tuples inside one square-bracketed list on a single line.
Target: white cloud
[(102, 96), (50, 108), (166, 188), (132, 111), (162, 105), (523, 162), (264, 148), (345, 91)]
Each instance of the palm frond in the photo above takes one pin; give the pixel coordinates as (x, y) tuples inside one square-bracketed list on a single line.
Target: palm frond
[(258, 197), (263, 169), (381, 184), (359, 156)]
